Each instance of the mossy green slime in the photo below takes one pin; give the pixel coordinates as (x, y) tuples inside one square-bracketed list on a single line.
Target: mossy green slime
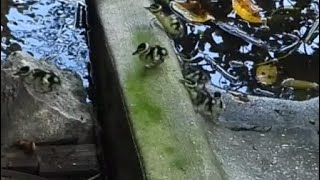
[(144, 107), (146, 110)]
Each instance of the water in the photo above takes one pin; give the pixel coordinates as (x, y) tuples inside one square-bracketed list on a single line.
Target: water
[(56, 30), (47, 29), (235, 59)]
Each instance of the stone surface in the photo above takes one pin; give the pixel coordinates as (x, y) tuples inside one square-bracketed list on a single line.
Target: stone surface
[(28, 114), (262, 113), (289, 153), (289, 150)]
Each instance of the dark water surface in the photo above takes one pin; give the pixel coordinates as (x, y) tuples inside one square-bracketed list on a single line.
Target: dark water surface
[(56, 30), (47, 29), (290, 22)]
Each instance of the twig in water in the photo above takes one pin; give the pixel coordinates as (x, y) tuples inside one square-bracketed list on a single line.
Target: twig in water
[(95, 176)]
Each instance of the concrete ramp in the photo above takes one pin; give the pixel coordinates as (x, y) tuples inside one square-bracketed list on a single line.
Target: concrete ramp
[(150, 130), (168, 137)]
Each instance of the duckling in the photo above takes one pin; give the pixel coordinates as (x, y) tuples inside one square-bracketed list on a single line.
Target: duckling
[(170, 23), (41, 79), (204, 102), (195, 73), (25, 72), (195, 80), (211, 105), (152, 56), (45, 79)]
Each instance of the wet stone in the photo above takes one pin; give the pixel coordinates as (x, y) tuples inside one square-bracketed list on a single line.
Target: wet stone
[(38, 116)]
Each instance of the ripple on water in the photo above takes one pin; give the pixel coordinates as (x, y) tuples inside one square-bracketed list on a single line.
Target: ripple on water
[(291, 21), (47, 29)]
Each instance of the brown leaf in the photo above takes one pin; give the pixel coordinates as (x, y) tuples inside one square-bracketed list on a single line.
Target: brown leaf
[(26, 145), (192, 11)]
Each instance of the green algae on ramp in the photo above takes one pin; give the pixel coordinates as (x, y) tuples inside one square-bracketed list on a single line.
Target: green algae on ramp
[(150, 117), (152, 134), (170, 147)]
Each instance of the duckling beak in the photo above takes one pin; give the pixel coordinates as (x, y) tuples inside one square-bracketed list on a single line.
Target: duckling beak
[(136, 52), (17, 73), (147, 8)]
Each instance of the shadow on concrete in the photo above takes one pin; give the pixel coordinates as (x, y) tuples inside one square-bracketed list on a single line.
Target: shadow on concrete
[(120, 156)]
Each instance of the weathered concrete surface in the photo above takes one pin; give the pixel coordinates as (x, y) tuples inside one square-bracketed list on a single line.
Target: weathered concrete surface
[(291, 153), (262, 113), (42, 117), (290, 150), (173, 140), (168, 136)]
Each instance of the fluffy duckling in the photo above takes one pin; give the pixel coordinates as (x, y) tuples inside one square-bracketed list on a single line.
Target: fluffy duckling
[(41, 79), (170, 23), (195, 80), (195, 73), (152, 56), (204, 102)]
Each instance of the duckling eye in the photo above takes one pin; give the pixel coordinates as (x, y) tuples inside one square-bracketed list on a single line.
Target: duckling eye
[(24, 69), (142, 46), (217, 94), (155, 6)]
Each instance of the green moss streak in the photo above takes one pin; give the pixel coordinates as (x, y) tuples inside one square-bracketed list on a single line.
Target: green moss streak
[(149, 116), (143, 106)]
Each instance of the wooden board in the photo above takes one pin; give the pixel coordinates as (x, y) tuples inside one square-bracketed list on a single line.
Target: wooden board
[(51, 161), (16, 175)]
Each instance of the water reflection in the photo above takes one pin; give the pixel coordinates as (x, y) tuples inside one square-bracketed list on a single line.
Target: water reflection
[(47, 29), (235, 47)]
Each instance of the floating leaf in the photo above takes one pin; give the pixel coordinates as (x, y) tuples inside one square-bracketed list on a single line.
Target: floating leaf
[(191, 11), (247, 10), (299, 84), (267, 74)]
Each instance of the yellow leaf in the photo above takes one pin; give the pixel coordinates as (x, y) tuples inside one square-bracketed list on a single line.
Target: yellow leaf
[(267, 74), (299, 84), (247, 10), (191, 11)]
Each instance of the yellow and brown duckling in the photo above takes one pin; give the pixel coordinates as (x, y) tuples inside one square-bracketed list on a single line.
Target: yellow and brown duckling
[(195, 73), (152, 56), (170, 23), (41, 79), (206, 103)]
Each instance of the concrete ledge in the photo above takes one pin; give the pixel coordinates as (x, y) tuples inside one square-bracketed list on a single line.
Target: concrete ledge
[(167, 133), (170, 141)]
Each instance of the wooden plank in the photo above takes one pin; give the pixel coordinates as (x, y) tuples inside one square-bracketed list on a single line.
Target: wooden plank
[(55, 161), (19, 161), (16, 175), (69, 160)]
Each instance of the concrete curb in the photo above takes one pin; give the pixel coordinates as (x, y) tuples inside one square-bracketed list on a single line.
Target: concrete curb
[(168, 133), (172, 142)]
